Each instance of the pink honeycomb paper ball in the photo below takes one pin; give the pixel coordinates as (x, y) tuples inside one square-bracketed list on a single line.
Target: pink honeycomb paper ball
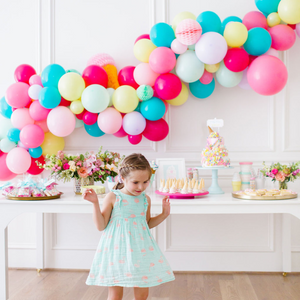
[(188, 32), (101, 59)]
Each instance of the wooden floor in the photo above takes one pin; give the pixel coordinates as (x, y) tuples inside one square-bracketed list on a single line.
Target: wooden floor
[(70, 285)]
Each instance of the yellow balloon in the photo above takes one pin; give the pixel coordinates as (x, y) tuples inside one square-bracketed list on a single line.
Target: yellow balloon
[(235, 34), (142, 49), (181, 98), (76, 107), (212, 68), (71, 86), (52, 144), (125, 99), (289, 11), (182, 16), (273, 19)]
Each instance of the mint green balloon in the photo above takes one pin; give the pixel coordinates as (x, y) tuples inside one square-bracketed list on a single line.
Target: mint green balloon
[(79, 123), (5, 125), (95, 98), (228, 78), (6, 145)]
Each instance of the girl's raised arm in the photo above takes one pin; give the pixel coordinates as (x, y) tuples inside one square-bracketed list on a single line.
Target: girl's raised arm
[(152, 222)]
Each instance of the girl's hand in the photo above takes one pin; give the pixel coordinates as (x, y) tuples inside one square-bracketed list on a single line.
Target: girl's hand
[(90, 195), (166, 208)]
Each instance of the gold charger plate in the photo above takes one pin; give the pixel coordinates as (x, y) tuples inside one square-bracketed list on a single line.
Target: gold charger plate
[(247, 197), (34, 198)]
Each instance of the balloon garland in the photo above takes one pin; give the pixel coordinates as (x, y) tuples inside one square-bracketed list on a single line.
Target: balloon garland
[(37, 112)]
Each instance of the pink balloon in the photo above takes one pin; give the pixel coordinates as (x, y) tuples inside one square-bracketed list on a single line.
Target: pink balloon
[(244, 84), (35, 79), (168, 86), (267, 75), (177, 47), (89, 118), (206, 77), (23, 73), (32, 136), (156, 130), (255, 19), (143, 36), (38, 112), (21, 117), (283, 37), (188, 32), (93, 74), (43, 125), (17, 95), (236, 59), (162, 60), (135, 139), (272, 52), (120, 133), (110, 120), (18, 160), (5, 173), (143, 74), (61, 121), (125, 77)]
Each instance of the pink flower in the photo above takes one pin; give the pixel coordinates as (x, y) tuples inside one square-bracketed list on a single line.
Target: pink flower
[(66, 166), (82, 172), (274, 171), (79, 164), (280, 176)]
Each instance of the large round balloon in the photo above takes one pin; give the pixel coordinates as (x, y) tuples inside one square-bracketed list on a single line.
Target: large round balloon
[(211, 48), (153, 109), (142, 49), (181, 98), (18, 160), (143, 74), (13, 134), (189, 68), (134, 123), (5, 109), (37, 111), (200, 90), (267, 6), (21, 117), (6, 145), (32, 136), (255, 19), (52, 144), (258, 42), (125, 99), (5, 173), (228, 78), (162, 35), (61, 121), (23, 73), (227, 20), (267, 75), (17, 95), (283, 37), (236, 59), (52, 74), (289, 11), (162, 60), (110, 120), (34, 169), (71, 86), (125, 77), (235, 34), (94, 130), (93, 74), (49, 97), (209, 21), (168, 86), (156, 130)]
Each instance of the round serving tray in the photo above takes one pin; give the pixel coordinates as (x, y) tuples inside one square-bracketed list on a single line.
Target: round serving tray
[(34, 198), (181, 196), (247, 197)]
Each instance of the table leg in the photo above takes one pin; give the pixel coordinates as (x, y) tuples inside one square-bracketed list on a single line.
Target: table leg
[(215, 188), (286, 244), (40, 241)]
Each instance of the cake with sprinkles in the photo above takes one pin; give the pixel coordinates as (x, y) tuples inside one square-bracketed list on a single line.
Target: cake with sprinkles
[(215, 153)]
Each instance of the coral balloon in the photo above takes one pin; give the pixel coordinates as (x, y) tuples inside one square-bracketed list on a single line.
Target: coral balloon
[(188, 32), (283, 37), (94, 74), (135, 139), (52, 144), (34, 169), (32, 136), (110, 120), (5, 173), (162, 60), (23, 73), (156, 130), (17, 95), (255, 19), (206, 77), (125, 77), (18, 160), (236, 60)]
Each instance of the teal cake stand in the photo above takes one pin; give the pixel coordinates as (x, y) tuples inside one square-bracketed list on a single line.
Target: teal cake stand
[(215, 188)]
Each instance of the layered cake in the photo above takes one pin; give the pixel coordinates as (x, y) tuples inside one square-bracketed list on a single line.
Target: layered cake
[(215, 153)]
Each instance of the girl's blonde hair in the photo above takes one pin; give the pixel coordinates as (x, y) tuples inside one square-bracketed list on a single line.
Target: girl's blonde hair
[(132, 162)]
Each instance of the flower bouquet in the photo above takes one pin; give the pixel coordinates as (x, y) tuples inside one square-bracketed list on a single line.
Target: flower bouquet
[(282, 173)]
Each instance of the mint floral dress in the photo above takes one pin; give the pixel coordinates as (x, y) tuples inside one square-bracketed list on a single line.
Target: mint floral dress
[(127, 254)]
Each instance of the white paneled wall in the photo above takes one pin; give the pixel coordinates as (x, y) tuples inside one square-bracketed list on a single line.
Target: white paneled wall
[(257, 128)]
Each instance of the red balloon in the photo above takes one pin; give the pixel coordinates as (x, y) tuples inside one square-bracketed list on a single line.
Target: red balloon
[(293, 26), (236, 60), (93, 74), (156, 130), (34, 169), (252, 58), (5, 173), (135, 139), (168, 86), (89, 118), (23, 73), (125, 77), (64, 102), (143, 36), (80, 116), (121, 133)]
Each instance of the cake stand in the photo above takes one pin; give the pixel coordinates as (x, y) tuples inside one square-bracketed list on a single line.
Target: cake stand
[(215, 188)]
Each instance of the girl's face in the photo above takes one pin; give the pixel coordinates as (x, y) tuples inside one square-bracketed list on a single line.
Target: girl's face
[(136, 182)]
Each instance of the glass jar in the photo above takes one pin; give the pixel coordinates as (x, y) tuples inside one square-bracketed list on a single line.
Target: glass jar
[(78, 183)]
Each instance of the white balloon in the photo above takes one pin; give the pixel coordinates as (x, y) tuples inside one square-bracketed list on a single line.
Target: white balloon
[(177, 47), (34, 90)]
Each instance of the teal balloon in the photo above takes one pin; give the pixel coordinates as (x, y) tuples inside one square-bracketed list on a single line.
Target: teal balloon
[(258, 42), (49, 97), (35, 152), (5, 108), (13, 134), (51, 75), (209, 21), (228, 78), (162, 35), (6, 145), (153, 109), (5, 125), (73, 71), (229, 19), (267, 6), (138, 108), (200, 90), (93, 130)]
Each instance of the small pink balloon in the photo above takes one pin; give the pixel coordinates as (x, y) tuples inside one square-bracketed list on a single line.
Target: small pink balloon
[(89, 118), (18, 160), (143, 74), (43, 125), (17, 95), (5, 173), (35, 79), (135, 139), (162, 60), (255, 19), (110, 120), (177, 47), (143, 36), (38, 112), (23, 73), (272, 52), (120, 133), (21, 117), (206, 77), (168, 86), (283, 37), (188, 32), (32, 136)]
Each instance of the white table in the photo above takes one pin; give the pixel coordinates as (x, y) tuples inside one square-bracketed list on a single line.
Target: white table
[(215, 204)]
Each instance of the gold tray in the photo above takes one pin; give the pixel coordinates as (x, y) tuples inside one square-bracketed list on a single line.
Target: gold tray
[(34, 198), (247, 197)]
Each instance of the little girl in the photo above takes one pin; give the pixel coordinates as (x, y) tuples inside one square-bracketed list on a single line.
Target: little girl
[(127, 254)]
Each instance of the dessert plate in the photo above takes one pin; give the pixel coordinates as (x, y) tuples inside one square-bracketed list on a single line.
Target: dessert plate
[(181, 196)]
